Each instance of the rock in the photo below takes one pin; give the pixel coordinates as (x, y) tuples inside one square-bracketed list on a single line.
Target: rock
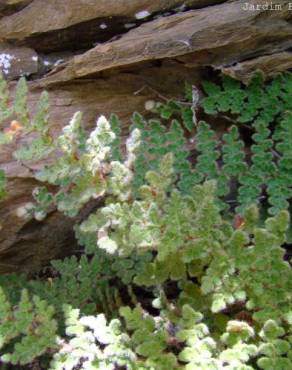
[(25, 245), (8, 7), (17, 61), (50, 61), (89, 21), (215, 36), (268, 64)]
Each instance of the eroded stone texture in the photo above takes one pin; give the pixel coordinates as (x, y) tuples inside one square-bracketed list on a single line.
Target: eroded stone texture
[(216, 36), (8, 7), (75, 23), (25, 245), (268, 64), (17, 61)]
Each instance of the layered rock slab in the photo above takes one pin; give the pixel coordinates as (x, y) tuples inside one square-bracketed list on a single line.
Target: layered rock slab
[(216, 36), (56, 25)]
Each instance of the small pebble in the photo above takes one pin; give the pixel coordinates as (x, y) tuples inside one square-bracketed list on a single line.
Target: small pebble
[(142, 14), (149, 104)]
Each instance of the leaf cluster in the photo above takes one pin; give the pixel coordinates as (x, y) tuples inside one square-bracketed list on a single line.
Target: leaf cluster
[(219, 293)]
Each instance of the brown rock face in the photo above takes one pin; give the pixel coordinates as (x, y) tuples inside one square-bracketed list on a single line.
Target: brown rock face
[(27, 244), (211, 36), (8, 7), (18, 61), (89, 20), (269, 64), (145, 49)]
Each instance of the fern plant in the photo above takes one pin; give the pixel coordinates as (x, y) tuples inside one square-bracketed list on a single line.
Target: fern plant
[(150, 342), (185, 230), (258, 101), (32, 323), (225, 161), (263, 178), (202, 292), (259, 178)]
